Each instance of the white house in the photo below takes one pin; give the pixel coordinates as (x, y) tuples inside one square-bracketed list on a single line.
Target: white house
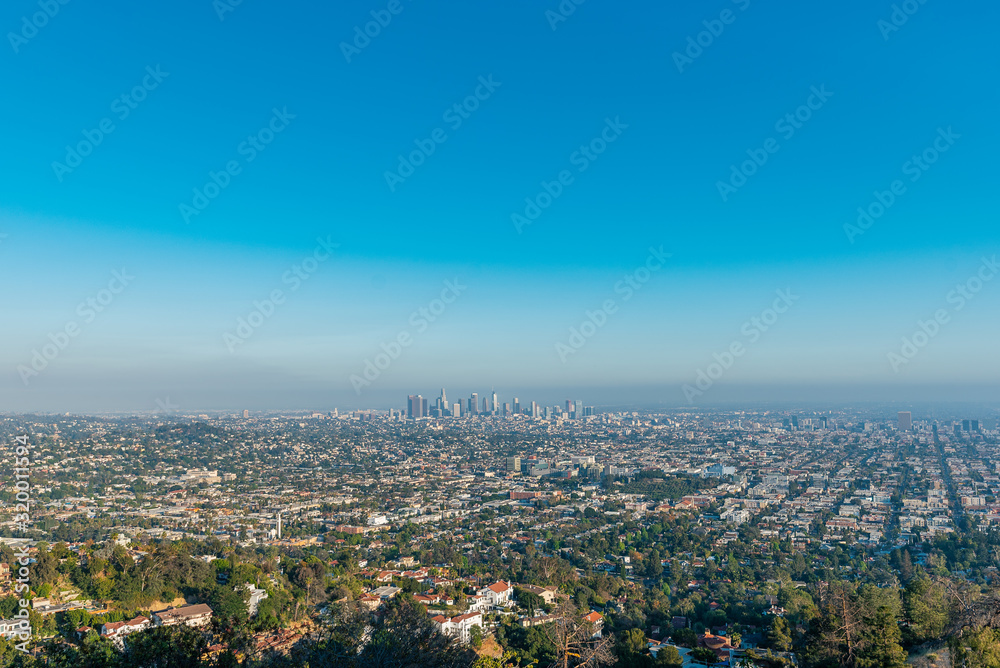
[(190, 615), (114, 630), (459, 627), (256, 596), (498, 594), (13, 628)]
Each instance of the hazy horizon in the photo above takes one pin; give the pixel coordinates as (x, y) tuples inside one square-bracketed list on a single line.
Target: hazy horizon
[(484, 196)]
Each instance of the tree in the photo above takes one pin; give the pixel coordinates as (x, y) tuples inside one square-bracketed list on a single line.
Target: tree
[(778, 635), (881, 641), (528, 600), (654, 568), (668, 657), (704, 655), (574, 641), (976, 648), (165, 647), (926, 607), (631, 649), (508, 660)]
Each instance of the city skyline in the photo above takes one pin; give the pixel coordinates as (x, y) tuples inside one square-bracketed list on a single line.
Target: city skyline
[(214, 224)]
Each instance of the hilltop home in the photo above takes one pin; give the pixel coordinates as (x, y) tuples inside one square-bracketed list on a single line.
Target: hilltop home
[(189, 615)]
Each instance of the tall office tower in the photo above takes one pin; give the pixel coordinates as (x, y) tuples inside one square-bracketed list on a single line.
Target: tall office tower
[(965, 425), (517, 406), (506, 409), (486, 405), (905, 420), (495, 407), (534, 409), (474, 403), (246, 413), (456, 410), (416, 406), (578, 409), (444, 400), (974, 424), (514, 464), (588, 411), (569, 405)]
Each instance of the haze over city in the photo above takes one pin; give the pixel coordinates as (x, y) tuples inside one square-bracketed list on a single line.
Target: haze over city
[(565, 154)]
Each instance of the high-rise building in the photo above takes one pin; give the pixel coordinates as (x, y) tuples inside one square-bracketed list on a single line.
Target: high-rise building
[(444, 400), (416, 406), (578, 409), (494, 408), (514, 464), (569, 405), (506, 409), (246, 413), (517, 406), (474, 403), (966, 425), (905, 421), (456, 410)]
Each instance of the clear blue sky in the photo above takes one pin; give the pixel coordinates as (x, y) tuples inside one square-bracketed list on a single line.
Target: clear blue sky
[(341, 125)]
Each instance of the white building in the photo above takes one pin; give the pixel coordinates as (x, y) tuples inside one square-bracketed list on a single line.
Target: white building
[(459, 627), (256, 596), (498, 594), (13, 628)]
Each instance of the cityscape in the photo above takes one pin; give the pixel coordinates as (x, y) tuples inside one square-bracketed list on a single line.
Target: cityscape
[(557, 334), (417, 407), (675, 538)]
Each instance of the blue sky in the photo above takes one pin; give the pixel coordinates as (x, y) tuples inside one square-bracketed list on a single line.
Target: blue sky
[(889, 94)]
